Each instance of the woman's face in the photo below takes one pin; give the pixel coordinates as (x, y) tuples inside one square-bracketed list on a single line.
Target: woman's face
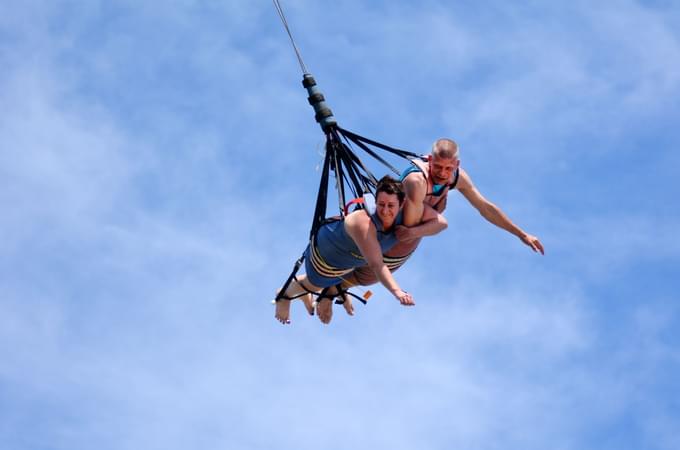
[(387, 207)]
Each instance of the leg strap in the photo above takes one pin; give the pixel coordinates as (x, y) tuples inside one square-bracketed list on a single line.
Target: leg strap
[(342, 292), (282, 293)]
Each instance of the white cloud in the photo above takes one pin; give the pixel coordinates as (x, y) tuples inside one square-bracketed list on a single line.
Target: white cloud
[(158, 187)]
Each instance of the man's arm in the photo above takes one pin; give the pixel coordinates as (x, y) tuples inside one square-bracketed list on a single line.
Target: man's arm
[(432, 223), (415, 188), (493, 213)]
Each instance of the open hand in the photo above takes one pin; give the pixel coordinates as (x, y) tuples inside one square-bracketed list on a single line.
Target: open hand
[(533, 243)]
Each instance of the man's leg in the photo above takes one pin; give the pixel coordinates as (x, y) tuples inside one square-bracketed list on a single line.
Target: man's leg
[(349, 281), (324, 305), (347, 304)]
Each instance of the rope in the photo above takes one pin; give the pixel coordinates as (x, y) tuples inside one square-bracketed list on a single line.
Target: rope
[(279, 10)]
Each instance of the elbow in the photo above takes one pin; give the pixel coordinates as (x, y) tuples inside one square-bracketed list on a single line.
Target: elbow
[(440, 224), (488, 211)]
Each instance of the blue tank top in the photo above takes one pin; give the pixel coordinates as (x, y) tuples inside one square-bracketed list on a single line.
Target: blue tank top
[(437, 189), (339, 250)]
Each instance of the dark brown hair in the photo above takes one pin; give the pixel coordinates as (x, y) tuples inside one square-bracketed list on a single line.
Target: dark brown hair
[(389, 185)]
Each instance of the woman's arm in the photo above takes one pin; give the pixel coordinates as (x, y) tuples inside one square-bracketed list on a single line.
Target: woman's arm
[(362, 230)]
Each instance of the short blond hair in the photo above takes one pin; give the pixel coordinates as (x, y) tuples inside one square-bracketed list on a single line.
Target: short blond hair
[(445, 149)]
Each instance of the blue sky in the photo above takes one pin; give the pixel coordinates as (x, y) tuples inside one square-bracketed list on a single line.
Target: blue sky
[(160, 162)]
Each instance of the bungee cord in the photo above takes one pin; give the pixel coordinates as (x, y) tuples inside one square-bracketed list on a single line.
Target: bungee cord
[(282, 16)]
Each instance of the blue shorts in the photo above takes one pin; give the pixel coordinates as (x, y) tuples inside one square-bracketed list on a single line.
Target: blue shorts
[(319, 272)]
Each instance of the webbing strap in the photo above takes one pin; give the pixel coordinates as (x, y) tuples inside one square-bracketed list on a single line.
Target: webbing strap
[(339, 297), (340, 300), (338, 169), (291, 277), (365, 148), (455, 180), (403, 153), (321, 198), (358, 188)]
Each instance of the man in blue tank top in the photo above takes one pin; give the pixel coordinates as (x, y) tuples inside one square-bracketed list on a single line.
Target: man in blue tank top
[(426, 185)]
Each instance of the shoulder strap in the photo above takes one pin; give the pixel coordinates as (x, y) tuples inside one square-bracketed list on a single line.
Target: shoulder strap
[(453, 184)]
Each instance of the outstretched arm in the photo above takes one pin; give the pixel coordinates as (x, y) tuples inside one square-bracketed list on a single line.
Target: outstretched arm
[(493, 213), (363, 232)]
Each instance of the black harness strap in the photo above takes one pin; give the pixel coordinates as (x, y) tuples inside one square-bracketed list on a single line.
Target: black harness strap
[(323, 295), (341, 292), (321, 198), (339, 296), (339, 174), (355, 137), (353, 160), (291, 277), (453, 184), (354, 174)]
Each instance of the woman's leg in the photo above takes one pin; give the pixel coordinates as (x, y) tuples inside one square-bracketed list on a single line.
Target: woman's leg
[(295, 289)]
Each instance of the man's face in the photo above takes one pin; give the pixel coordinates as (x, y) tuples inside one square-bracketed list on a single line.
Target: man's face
[(441, 169), (387, 207)]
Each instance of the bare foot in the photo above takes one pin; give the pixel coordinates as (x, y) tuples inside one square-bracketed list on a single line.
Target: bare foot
[(347, 304), (283, 311), (309, 303), (324, 309)]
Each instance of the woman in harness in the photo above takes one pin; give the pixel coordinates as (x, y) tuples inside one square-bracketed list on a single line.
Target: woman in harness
[(340, 246)]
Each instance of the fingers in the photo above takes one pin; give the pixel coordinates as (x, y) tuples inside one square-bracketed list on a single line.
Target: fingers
[(533, 243), (539, 246), (406, 299)]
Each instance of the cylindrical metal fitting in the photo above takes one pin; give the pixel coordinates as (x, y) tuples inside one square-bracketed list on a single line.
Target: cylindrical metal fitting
[(323, 113)]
